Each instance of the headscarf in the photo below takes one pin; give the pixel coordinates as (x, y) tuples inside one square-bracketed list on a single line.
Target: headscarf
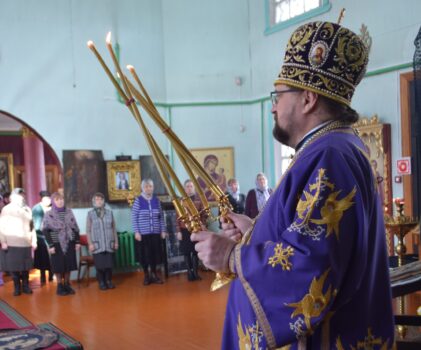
[(262, 192), (17, 198), (53, 204), (236, 194), (62, 221), (143, 194), (99, 210)]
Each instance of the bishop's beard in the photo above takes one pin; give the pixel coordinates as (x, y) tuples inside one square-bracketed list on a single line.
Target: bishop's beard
[(280, 134)]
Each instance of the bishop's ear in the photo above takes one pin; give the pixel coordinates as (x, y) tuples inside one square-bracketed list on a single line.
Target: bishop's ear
[(309, 101)]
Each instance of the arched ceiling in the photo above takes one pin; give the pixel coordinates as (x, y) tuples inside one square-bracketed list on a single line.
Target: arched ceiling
[(9, 124)]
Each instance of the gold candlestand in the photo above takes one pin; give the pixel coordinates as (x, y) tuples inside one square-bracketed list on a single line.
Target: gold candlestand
[(399, 225)]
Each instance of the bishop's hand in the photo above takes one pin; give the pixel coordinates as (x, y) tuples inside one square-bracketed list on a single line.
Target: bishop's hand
[(236, 226), (213, 249)]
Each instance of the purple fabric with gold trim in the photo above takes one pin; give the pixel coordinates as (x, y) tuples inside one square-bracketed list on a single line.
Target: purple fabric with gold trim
[(313, 274)]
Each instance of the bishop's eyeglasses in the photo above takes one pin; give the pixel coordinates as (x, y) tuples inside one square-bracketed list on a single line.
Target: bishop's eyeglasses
[(274, 95)]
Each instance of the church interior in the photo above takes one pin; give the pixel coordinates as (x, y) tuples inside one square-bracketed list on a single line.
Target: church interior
[(188, 82)]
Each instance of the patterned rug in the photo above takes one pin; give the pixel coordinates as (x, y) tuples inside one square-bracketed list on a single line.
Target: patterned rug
[(11, 320), (64, 341), (27, 339)]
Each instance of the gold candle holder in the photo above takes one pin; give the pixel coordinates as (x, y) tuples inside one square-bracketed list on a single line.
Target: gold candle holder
[(185, 209), (400, 225), (130, 199)]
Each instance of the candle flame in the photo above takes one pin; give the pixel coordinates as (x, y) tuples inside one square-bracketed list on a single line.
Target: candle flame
[(108, 38), (90, 44), (130, 68)]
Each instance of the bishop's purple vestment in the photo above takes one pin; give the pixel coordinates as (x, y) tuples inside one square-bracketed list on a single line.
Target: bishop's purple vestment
[(313, 272)]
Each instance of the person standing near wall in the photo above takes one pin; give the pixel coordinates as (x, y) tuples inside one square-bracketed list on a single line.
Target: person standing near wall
[(62, 234), (102, 239), (18, 238), (149, 228), (236, 199), (257, 197), (41, 256), (186, 245)]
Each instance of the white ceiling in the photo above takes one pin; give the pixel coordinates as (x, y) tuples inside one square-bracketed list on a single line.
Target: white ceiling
[(9, 124)]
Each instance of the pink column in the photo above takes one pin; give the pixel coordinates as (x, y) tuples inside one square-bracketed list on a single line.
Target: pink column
[(34, 179)]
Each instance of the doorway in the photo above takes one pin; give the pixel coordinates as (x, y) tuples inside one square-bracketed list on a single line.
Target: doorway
[(12, 151)]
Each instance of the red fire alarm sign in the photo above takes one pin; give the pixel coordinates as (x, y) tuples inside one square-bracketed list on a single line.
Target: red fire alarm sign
[(404, 166)]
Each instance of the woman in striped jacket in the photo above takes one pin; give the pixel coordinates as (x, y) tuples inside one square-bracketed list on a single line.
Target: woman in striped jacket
[(149, 228)]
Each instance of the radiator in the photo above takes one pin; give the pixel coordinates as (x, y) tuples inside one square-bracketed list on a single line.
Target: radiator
[(125, 256)]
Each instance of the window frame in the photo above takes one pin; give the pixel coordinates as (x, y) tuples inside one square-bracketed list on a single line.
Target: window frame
[(325, 7)]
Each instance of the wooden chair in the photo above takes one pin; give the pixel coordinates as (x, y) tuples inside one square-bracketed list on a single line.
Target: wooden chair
[(86, 261)]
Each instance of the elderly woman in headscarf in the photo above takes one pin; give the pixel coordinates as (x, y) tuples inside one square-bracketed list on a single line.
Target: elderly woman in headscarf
[(236, 199), (62, 234), (102, 240), (18, 238), (149, 227), (257, 197)]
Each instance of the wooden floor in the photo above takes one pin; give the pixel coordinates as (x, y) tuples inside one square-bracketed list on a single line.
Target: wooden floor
[(175, 315)]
